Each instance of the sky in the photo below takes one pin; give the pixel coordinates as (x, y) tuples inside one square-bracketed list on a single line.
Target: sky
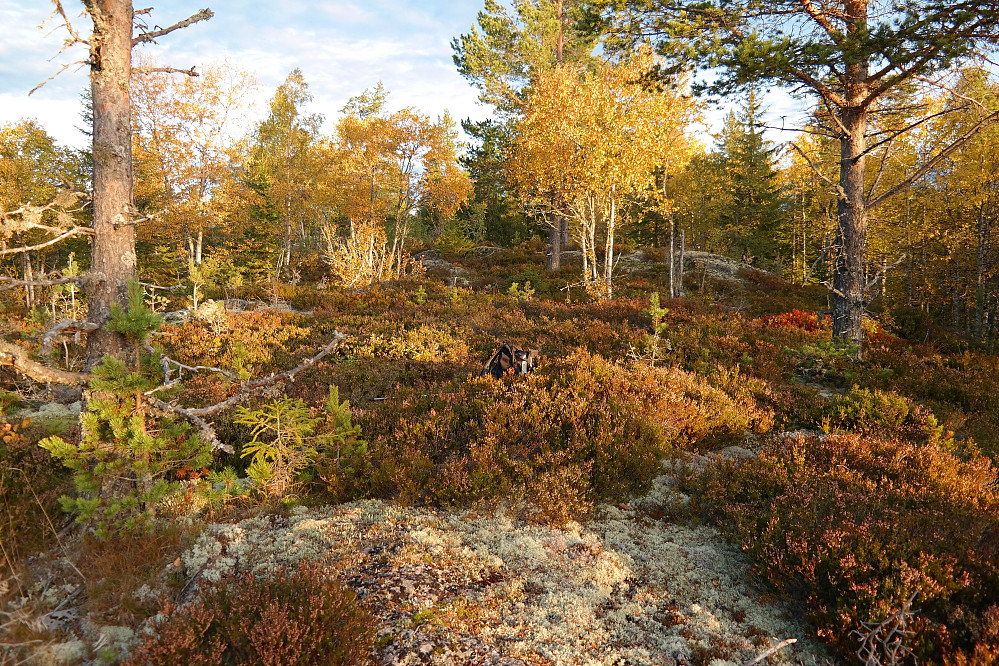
[(342, 47)]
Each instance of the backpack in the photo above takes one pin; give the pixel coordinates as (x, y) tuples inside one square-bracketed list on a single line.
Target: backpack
[(510, 359)]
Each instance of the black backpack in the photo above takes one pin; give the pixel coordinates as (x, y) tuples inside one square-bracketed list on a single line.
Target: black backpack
[(510, 359)]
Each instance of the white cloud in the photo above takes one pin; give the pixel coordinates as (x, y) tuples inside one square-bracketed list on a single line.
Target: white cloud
[(342, 48)]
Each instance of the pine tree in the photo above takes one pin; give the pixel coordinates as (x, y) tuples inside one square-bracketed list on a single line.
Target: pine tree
[(122, 466)]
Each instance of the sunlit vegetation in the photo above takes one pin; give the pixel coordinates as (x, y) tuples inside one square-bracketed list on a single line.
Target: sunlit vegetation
[(303, 315)]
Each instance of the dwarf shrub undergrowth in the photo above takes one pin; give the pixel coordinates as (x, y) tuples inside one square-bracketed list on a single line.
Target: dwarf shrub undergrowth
[(295, 618), (581, 428), (857, 525)]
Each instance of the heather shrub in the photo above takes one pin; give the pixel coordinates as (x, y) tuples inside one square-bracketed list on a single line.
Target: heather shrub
[(884, 413), (246, 341), (579, 429), (425, 342), (856, 525), (294, 618), (805, 321)]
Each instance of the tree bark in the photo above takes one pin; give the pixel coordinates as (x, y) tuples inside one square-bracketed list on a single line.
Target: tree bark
[(113, 252), (848, 278), (609, 247), (554, 260)]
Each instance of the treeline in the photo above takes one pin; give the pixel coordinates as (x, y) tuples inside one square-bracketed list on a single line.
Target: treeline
[(593, 142), (215, 205)]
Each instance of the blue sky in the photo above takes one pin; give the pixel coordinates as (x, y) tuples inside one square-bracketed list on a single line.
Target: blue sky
[(342, 47)]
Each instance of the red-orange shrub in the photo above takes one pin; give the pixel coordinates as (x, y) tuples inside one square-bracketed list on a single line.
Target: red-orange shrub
[(579, 429), (295, 618), (857, 525)]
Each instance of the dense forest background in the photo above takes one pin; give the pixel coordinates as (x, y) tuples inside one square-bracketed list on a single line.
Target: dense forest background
[(226, 210)]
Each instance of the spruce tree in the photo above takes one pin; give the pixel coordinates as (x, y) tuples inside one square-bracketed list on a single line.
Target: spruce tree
[(753, 220)]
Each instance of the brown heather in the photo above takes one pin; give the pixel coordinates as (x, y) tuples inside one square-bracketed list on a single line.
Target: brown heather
[(856, 525), (296, 618)]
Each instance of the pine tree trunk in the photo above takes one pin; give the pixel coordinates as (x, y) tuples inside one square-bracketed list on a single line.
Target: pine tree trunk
[(848, 279), (112, 262)]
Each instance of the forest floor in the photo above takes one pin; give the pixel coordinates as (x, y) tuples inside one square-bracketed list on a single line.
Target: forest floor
[(709, 557)]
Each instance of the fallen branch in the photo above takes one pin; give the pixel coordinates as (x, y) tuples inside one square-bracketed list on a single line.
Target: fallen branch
[(66, 325), (253, 388), (12, 283), (246, 391), (783, 644), (20, 359), (205, 430), (166, 362)]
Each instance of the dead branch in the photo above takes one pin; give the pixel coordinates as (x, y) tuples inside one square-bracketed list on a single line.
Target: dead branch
[(254, 387), (940, 157), (62, 69), (783, 644), (65, 326), (149, 285), (205, 430), (20, 360), (247, 391), (166, 362), (877, 276), (153, 35), (12, 283), (883, 644), (75, 231), (165, 70), (836, 186), (815, 264)]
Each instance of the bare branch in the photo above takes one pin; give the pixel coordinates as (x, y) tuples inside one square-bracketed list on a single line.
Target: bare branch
[(153, 35), (877, 276), (166, 70), (66, 325), (954, 93), (252, 388), (75, 231), (61, 70), (815, 264), (20, 360), (205, 430), (11, 283), (836, 186), (783, 644)]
